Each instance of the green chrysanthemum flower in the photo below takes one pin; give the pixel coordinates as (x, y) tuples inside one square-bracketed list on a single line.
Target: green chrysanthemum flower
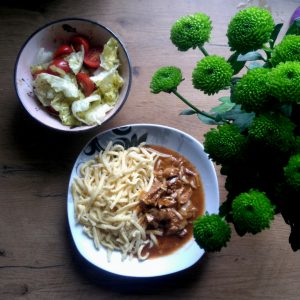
[(212, 74), (191, 31), (296, 148), (252, 91), (287, 50), (211, 232), (274, 131), (292, 172), (284, 82), (224, 144), (166, 79), (252, 212), (249, 29)]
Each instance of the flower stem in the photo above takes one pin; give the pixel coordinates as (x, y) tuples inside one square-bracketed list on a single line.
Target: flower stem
[(203, 50), (200, 112)]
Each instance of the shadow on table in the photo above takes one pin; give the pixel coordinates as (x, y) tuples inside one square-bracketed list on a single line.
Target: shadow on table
[(127, 285), (38, 144)]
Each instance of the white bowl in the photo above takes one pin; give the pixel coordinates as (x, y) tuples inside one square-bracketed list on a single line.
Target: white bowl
[(50, 37), (132, 135)]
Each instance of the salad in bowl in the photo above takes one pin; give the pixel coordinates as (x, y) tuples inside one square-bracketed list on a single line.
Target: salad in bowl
[(78, 81)]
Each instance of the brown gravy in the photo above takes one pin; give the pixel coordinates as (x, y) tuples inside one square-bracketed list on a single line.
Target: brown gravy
[(170, 243)]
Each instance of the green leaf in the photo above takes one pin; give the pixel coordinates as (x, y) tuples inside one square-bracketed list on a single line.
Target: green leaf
[(239, 117), (250, 56), (254, 65), (274, 34), (208, 121), (236, 65), (188, 112), (224, 99), (294, 28), (225, 106)]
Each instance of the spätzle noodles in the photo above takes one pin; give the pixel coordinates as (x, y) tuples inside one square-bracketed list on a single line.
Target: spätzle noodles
[(106, 196)]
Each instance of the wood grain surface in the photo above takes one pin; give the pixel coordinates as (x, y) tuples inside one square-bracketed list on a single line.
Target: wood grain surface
[(37, 258)]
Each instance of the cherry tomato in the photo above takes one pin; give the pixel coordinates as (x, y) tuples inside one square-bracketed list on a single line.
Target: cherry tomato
[(34, 75), (86, 83), (92, 58), (63, 50), (77, 41), (60, 63)]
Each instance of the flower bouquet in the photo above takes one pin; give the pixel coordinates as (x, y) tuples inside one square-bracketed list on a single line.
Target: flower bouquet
[(256, 140)]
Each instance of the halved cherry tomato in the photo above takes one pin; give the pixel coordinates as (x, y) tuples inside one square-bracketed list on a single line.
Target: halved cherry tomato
[(60, 63), (63, 50), (86, 83), (92, 58), (77, 41), (34, 75)]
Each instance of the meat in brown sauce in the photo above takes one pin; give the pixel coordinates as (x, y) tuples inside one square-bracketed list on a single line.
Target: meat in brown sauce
[(168, 204)]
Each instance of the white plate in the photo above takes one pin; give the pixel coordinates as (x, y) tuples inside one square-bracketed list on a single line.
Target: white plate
[(133, 135)]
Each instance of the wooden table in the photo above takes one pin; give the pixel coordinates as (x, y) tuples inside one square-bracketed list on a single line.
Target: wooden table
[(37, 258)]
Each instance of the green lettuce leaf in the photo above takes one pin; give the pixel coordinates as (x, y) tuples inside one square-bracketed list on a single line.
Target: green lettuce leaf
[(111, 81), (75, 60), (63, 107), (90, 110), (108, 85), (43, 56), (37, 68), (47, 87), (97, 79), (109, 56)]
